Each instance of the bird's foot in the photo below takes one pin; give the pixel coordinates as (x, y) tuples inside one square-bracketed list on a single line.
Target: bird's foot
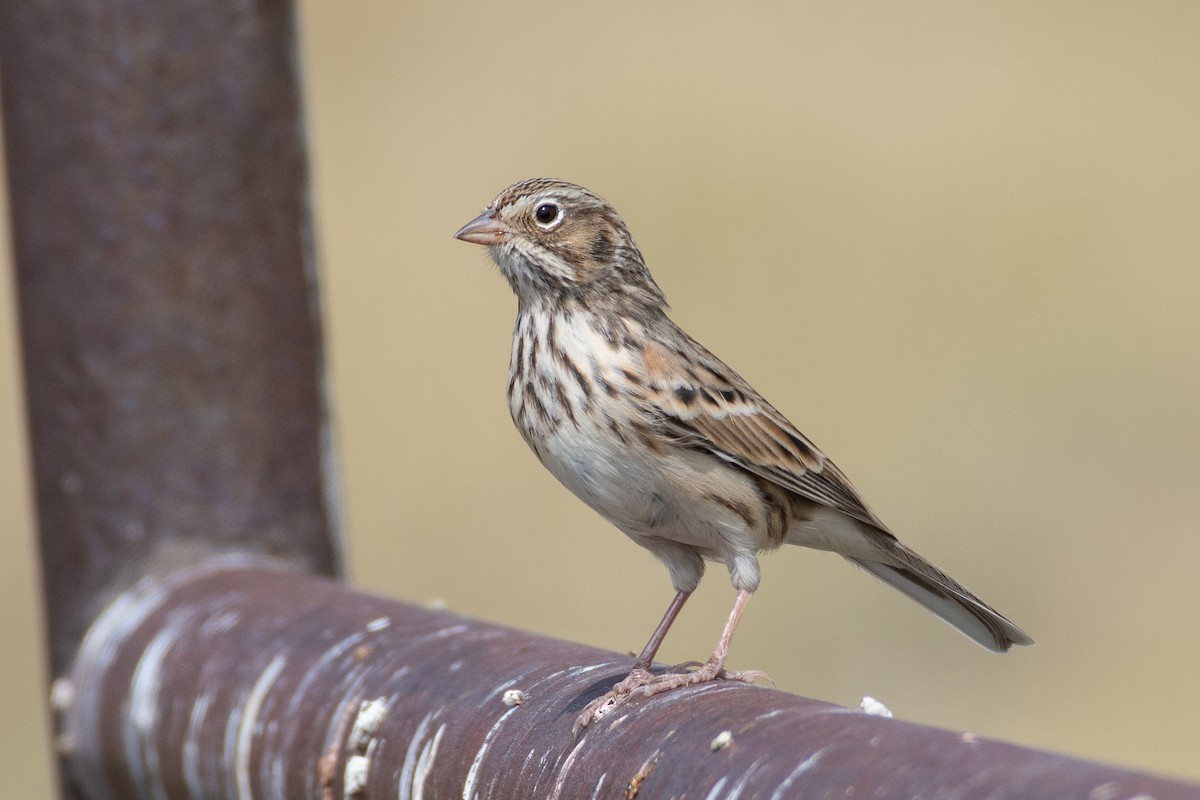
[(742, 676), (643, 683)]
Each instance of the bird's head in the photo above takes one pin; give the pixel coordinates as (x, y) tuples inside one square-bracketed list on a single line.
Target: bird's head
[(554, 240)]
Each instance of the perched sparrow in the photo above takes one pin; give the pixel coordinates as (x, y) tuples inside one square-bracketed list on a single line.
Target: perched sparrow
[(663, 439)]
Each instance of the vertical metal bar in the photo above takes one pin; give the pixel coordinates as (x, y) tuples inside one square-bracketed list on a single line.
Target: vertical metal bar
[(167, 297)]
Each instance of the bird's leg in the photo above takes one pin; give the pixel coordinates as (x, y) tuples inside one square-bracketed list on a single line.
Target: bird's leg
[(640, 683), (656, 639), (640, 673), (715, 666)]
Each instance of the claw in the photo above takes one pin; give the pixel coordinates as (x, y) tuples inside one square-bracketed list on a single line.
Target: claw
[(597, 710), (746, 676), (642, 683)]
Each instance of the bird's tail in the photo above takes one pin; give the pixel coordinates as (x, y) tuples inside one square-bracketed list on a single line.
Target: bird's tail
[(944, 596)]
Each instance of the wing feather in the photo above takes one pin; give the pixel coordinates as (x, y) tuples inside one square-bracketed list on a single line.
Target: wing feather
[(726, 417)]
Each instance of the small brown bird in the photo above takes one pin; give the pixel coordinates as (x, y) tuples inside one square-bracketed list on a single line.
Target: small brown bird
[(663, 439)]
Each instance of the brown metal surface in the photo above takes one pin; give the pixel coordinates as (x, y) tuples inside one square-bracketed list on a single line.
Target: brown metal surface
[(237, 681), (167, 302)]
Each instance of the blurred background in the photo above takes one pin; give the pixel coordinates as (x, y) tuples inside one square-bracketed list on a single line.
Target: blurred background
[(958, 245)]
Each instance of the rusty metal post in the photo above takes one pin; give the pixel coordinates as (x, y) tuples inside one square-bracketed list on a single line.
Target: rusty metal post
[(234, 681), (168, 306)]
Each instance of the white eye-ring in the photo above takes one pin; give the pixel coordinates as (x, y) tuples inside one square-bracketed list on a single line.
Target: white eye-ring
[(548, 214)]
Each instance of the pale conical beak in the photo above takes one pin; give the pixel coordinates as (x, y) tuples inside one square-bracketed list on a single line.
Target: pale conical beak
[(484, 229)]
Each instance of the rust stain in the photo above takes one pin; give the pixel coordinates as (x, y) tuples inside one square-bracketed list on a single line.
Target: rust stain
[(635, 783), (327, 763)]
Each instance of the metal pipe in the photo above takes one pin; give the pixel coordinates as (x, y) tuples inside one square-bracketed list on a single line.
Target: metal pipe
[(167, 297), (231, 680)]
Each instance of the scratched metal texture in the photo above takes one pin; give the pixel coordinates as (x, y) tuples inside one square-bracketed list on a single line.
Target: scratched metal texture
[(234, 680)]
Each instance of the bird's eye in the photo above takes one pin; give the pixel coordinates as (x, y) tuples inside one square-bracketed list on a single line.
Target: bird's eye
[(548, 215)]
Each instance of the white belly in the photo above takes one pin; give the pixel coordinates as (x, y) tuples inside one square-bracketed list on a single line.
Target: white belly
[(642, 494), (647, 494)]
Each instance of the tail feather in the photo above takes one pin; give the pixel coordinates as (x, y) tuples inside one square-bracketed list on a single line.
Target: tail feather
[(946, 597)]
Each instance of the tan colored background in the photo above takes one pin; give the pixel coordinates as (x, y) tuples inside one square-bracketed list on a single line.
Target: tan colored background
[(959, 246)]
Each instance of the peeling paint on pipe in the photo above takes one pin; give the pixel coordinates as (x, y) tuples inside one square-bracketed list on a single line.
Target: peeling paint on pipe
[(239, 680)]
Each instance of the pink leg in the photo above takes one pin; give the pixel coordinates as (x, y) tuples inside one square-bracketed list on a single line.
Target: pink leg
[(735, 616), (641, 683)]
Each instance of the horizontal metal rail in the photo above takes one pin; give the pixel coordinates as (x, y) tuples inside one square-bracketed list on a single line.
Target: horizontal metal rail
[(236, 680)]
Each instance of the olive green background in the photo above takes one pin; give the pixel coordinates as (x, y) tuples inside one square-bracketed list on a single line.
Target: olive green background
[(958, 244)]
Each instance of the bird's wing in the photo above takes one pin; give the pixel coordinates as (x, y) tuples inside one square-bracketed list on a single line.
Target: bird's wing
[(703, 403)]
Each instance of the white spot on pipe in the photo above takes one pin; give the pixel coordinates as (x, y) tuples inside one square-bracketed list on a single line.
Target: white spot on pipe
[(875, 708), (354, 781), (512, 697), (370, 717), (249, 721), (721, 741)]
